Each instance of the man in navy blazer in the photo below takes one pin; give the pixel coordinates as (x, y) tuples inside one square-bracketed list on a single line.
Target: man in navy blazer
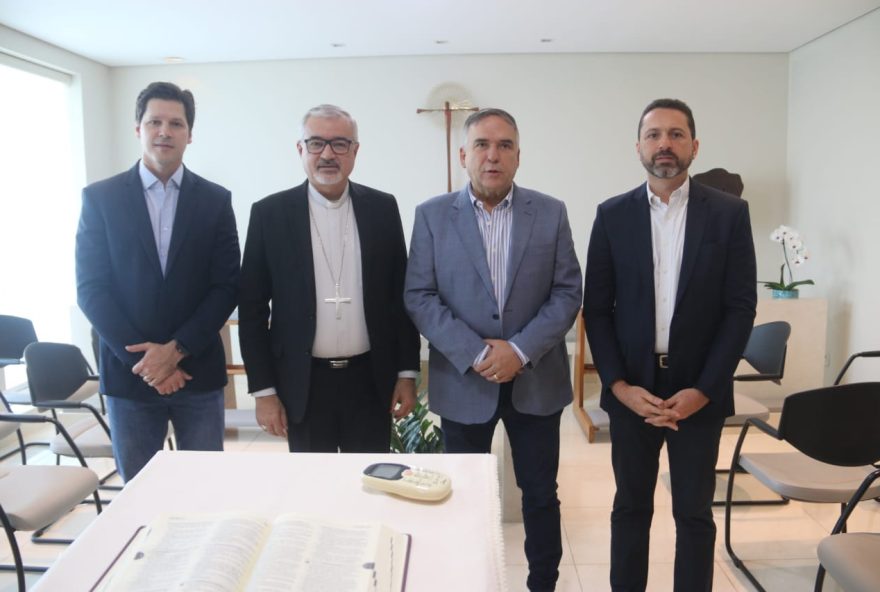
[(493, 283), (157, 263), (669, 302)]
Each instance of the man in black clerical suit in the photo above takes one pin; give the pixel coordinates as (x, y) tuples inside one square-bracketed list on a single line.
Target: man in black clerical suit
[(331, 355)]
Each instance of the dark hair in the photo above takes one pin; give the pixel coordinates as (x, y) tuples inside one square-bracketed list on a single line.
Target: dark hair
[(478, 116), (168, 92), (669, 104)]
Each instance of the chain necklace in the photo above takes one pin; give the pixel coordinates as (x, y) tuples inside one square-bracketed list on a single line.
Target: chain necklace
[(337, 299)]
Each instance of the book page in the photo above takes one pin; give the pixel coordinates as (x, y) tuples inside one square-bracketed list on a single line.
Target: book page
[(305, 555), (211, 553)]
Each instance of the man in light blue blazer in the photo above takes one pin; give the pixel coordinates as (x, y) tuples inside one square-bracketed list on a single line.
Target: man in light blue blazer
[(493, 283)]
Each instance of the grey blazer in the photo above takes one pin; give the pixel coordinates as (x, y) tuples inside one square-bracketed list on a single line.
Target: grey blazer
[(449, 295)]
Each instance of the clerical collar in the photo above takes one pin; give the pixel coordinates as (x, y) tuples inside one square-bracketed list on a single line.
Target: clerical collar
[(319, 200), (148, 178)]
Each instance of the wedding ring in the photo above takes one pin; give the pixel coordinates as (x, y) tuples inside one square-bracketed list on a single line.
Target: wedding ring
[(495, 376), (264, 428)]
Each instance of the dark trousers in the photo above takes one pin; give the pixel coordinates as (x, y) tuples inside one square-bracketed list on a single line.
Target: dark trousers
[(344, 413), (635, 455), (534, 445)]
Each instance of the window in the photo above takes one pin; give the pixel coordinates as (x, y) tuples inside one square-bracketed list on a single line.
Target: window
[(39, 200)]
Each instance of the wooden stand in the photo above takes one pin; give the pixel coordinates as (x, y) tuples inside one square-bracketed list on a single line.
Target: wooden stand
[(590, 421)]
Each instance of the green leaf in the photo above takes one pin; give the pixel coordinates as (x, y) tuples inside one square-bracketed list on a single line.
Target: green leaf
[(415, 432), (794, 285)]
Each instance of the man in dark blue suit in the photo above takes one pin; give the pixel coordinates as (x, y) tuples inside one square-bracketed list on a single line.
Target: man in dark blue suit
[(157, 265), (669, 302)]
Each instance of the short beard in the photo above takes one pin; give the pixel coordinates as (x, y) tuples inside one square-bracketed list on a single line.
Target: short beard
[(666, 171)]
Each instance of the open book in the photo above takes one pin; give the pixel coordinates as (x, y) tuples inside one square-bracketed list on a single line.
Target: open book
[(220, 553)]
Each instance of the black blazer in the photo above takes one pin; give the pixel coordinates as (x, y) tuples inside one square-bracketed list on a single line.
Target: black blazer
[(715, 302), (121, 289), (278, 272)]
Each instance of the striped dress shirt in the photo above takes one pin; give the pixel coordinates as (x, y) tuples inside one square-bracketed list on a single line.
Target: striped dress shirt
[(495, 228)]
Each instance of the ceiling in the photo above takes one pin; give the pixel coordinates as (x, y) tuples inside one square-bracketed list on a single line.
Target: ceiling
[(127, 33)]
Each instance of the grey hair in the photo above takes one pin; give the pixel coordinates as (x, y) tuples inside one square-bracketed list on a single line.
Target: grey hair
[(327, 111), (482, 114)]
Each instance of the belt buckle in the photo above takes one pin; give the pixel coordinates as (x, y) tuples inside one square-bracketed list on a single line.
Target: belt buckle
[(338, 364), (663, 361)]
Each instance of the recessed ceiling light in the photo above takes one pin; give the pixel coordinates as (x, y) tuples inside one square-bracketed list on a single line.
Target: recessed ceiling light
[(337, 45), (173, 60), (546, 40), (441, 41)]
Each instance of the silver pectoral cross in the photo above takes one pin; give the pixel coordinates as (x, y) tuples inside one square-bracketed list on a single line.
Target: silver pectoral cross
[(337, 301)]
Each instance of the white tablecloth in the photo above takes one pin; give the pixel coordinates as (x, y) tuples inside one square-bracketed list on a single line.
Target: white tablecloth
[(456, 544)]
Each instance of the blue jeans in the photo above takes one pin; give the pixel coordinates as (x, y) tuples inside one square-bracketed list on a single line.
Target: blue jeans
[(138, 428), (534, 447)]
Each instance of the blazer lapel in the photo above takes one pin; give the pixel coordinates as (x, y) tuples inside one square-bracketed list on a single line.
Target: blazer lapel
[(296, 210), (363, 218), (187, 206), (695, 225), (465, 223), (520, 233), (644, 248), (141, 217)]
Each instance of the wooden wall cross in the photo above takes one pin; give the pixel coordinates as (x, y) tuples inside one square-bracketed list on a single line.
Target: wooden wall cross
[(447, 110)]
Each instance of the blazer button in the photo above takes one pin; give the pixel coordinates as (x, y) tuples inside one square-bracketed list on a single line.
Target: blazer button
[(495, 316)]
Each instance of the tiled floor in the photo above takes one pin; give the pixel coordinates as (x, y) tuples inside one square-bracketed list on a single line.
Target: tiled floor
[(777, 542)]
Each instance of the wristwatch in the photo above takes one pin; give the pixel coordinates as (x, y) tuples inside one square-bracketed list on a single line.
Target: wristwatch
[(181, 350)]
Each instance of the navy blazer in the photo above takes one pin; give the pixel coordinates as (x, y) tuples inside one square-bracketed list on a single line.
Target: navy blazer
[(278, 272), (450, 296), (715, 302), (123, 293)]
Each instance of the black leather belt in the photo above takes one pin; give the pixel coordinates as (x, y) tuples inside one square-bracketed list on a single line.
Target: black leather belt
[(341, 363), (662, 360)]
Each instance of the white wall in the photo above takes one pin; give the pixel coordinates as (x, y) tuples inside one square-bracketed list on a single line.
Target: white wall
[(577, 117), (834, 126)]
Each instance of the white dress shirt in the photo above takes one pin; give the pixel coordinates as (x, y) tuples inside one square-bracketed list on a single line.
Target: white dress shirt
[(333, 224), (667, 242), (162, 207)]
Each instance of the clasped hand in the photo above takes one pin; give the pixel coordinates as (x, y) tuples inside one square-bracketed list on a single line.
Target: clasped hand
[(501, 363), (159, 367), (656, 411)]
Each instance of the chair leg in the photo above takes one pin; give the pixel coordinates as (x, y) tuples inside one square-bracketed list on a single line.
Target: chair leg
[(728, 504), (820, 579), (37, 538), (16, 554), (21, 447)]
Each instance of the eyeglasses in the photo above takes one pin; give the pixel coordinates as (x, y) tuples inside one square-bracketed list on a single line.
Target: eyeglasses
[(316, 145)]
